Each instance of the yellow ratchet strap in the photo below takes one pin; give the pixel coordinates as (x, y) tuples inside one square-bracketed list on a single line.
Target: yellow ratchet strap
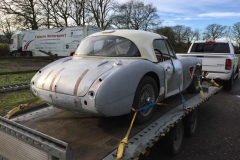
[(124, 142), (201, 89), (211, 82), (18, 108), (214, 83)]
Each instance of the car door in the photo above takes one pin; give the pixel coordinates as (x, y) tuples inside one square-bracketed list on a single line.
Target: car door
[(172, 67)]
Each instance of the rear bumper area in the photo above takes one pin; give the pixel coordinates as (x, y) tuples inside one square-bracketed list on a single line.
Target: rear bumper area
[(221, 76), (72, 103)]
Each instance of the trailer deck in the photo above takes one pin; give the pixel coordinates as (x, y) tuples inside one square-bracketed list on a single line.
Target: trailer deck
[(70, 135)]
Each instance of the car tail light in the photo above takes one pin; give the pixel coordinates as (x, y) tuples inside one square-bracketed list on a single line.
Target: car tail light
[(228, 64), (191, 70), (210, 41)]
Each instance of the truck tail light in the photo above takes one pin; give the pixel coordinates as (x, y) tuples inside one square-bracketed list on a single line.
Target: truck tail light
[(228, 64)]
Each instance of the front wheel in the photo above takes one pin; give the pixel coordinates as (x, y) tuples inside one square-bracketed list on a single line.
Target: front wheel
[(146, 93)]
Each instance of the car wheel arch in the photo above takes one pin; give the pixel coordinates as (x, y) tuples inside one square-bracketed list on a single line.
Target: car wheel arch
[(155, 77)]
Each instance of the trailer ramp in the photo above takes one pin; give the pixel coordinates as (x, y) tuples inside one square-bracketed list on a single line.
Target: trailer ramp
[(22, 143)]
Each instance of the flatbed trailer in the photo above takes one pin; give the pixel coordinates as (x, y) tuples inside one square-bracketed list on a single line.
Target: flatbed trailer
[(51, 133)]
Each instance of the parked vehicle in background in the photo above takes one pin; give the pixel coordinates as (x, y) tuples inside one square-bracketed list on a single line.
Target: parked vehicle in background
[(219, 60), (58, 41)]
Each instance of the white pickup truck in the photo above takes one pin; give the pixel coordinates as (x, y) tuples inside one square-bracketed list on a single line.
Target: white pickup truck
[(219, 60)]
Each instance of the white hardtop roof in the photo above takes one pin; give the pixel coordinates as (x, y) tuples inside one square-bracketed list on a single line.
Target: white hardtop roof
[(142, 39)]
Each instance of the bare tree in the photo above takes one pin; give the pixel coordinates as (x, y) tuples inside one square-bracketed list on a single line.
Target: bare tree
[(236, 33), (47, 12), (181, 33), (5, 28), (169, 33), (100, 12), (78, 13), (197, 34), (27, 10), (214, 31), (60, 12), (136, 15)]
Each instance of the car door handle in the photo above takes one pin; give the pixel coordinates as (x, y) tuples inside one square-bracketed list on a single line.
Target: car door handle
[(168, 68)]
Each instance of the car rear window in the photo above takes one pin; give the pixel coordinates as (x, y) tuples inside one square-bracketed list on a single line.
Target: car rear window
[(211, 47), (108, 46)]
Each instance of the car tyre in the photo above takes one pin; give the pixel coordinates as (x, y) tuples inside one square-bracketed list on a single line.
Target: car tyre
[(146, 93), (193, 88), (190, 123), (227, 85), (236, 73), (174, 139)]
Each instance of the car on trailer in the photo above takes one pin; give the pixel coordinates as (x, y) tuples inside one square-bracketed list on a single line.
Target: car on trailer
[(115, 70)]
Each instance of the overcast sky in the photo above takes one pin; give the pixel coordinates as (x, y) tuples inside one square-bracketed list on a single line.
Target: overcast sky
[(197, 13)]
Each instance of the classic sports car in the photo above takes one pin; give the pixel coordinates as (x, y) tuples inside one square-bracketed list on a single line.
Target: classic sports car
[(115, 70)]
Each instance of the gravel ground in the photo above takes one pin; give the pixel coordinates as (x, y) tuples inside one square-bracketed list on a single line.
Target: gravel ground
[(218, 132)]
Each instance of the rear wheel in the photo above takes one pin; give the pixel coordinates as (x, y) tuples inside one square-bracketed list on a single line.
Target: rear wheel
[(228, 84), (193, 88), (146, 93), (236, 73)]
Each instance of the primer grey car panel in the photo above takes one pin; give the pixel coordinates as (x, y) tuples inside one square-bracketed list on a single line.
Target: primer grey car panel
[(105, 83)]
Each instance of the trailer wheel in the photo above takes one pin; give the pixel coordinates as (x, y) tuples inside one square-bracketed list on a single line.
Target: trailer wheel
[(173, 140), (193, 87), (146, 93), (228, 84), (190, 123)]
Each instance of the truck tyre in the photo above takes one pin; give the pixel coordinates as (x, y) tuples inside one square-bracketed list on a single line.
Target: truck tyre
[(173, 140), (193, 88), (236, 73), (228, 83), (146, 93), (190, 123)]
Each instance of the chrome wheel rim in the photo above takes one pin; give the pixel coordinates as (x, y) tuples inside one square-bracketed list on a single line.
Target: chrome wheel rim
[(147, 96)]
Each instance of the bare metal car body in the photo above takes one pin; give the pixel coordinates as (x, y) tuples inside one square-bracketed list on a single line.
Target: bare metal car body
[(105, 84)]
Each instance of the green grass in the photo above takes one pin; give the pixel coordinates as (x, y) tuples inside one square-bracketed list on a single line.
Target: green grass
[(238, 59), (15, 78), (10, 100), (3, 71)]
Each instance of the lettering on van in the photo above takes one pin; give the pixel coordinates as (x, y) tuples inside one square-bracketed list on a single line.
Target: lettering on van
[(51, 36)]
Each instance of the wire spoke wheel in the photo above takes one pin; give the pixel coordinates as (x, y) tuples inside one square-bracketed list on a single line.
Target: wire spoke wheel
[(146, 93), (147, 96)]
